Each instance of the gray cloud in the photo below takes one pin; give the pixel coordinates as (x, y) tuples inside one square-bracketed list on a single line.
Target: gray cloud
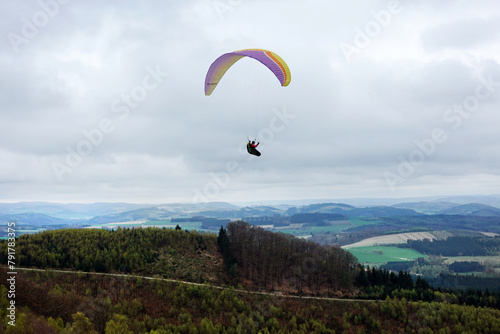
[(462, 34), (84, 118)]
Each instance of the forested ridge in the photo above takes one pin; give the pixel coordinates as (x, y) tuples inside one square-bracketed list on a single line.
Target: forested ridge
[(242, 255), (258, 258), (166, 252), (53, 303), (443, 222), (457, 246), (281, 261)]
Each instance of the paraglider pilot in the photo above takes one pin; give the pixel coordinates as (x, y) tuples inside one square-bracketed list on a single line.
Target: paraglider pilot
[(252, 148)]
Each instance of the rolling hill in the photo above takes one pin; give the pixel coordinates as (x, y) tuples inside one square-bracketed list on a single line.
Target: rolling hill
[(472, 209), (32, 218), (39, 213), (429, 208)]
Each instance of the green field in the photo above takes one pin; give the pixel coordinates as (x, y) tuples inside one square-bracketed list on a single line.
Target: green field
[(378, 255)]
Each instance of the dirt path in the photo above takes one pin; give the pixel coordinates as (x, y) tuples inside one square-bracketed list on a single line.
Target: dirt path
[(273, 294)]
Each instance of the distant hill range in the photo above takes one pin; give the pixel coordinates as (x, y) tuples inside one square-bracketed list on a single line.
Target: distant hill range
[(32, 219), (69, 211), (351, 211), (41, 213), (447, 208)]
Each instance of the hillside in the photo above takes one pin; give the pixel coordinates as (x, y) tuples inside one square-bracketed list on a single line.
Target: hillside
[(426, 207), (152, 251), (32, 218), (472, 209), (81, 303), (149, 213), (286, 272), (351, 211), (276, 266), (282, 262), (449, 208), (258, 258)]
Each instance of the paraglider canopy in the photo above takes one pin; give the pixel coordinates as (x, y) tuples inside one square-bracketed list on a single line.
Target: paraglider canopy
[(270, 59)]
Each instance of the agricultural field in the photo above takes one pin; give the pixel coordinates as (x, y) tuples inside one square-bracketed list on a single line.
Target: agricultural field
[(378, 255), (399, 238)]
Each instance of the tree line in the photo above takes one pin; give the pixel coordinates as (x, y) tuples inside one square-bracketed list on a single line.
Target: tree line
[(444, 222), (456, 246), (378, 283), (146, 250), (277, 260)]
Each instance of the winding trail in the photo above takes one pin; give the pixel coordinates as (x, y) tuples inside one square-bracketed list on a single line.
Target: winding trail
[(265, 293)]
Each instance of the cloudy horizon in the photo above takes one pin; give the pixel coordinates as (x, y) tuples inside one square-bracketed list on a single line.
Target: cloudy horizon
[(104, 102)]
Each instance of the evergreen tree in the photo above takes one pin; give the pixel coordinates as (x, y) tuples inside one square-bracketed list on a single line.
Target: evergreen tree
[(225, 248)]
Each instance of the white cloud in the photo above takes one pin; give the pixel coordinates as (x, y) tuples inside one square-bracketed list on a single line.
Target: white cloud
[(351, 120), (462, 34)]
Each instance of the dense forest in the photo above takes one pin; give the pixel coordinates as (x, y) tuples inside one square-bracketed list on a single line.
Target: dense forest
[(442, 222), (166, 252), (466, 266), (54, 303), (285, 273), (260, 258), (457, 246), (272, 260), (375, 283)]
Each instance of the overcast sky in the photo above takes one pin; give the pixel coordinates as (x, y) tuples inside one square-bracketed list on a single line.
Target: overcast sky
[(104, 100)]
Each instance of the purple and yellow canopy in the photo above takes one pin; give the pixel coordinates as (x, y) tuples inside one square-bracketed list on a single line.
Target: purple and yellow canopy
[(224, 62)]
